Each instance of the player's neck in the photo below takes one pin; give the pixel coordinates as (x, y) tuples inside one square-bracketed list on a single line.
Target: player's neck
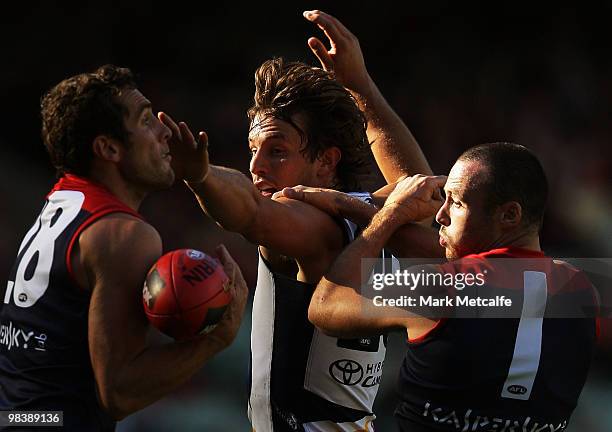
[(117, 185), (523, 240), (531, 243)]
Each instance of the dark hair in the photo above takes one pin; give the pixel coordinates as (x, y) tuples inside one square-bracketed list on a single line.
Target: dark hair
[(331, 115), (514, 174), (80, 108)]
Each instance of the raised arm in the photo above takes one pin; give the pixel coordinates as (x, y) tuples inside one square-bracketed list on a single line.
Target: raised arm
[(396, 151), (115, 254)]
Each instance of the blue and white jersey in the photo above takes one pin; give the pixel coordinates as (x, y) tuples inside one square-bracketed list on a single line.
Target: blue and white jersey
[(301, 379)]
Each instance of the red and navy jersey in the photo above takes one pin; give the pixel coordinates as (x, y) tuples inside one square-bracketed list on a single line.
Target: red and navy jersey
[(44, 355), (519, 373)]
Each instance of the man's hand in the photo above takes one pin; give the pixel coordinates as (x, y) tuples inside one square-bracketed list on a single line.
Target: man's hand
[(335, 203), (396, 151), (226, 330), (416, 198), (189, 156), (327, 200), (344, 57)]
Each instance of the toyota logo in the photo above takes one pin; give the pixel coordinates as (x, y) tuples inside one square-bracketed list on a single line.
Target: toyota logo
[(347, 372)]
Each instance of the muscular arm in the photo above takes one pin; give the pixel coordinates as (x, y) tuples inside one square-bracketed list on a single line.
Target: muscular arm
[(409, 240), (116, 252), (229, 198), (338, 308), (395, 149), (285, 226)]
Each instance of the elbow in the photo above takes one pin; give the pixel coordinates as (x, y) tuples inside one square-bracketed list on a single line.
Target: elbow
[(112, 406), (323, 318), (113, 402), (241, 227), (315, 316), (248, 224)]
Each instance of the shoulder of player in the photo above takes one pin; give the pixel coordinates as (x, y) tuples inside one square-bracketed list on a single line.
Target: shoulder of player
[(568, 278), (308, 217), (295, 229), (565, 266), (301, 207), (120, 237)]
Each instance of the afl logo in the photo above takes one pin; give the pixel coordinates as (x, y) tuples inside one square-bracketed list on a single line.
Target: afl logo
[(347, 372), (195, 254), (517, 389)]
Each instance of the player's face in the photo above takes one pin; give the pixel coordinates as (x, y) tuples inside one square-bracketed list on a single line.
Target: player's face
[(276, 160), (146, 162), (467, 227)]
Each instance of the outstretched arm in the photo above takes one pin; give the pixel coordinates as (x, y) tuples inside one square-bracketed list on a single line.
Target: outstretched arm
[(396, 151), (280, 225), (230, 198)]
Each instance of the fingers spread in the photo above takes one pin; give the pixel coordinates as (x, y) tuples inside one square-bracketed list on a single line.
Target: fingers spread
[(187, 135), (333, 29), (167, 120), (329, 27), (202, 143), (325, 22), (320, 51)]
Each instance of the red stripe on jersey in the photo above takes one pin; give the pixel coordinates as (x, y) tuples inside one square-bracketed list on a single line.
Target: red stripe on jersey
[(562, 276), (428, 333), (99, 202)]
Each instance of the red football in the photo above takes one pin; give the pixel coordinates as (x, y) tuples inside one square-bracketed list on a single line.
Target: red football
[(183, 293)]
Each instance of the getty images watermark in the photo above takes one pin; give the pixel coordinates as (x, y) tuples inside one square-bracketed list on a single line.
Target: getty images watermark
[(489, 288)]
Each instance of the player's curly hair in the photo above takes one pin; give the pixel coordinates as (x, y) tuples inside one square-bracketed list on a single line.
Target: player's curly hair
[(332, 117), (80, 108)]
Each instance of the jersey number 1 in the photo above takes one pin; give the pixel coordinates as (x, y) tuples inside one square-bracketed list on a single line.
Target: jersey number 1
[(528, 345)]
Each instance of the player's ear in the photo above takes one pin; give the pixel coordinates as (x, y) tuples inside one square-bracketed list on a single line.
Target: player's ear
[(510, 214), (106, 148), (328, 160)]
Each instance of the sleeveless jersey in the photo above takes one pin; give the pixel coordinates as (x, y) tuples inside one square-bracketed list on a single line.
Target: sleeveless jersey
[(301, 379), (513, 374), (44, 355)]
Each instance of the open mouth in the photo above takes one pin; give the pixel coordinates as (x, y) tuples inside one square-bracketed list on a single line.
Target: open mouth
[(267, 192), (265, 188)]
